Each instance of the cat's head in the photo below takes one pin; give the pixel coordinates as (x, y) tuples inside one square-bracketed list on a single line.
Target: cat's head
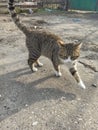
[(70, 52)]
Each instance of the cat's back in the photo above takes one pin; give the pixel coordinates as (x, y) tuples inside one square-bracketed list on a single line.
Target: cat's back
[(43, 40), (42, 37)]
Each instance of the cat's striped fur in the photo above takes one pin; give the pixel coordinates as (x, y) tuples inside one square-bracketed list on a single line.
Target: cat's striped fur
[(40, 42)]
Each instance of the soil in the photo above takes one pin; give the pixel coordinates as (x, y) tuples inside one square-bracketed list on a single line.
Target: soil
[(41, 101)]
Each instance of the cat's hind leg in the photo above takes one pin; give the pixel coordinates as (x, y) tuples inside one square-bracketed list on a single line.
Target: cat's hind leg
[(39, 63), (31, 63), (33, 59)]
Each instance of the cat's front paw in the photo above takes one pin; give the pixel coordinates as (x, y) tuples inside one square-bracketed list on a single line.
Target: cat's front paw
[(81, 84), (58, 74)]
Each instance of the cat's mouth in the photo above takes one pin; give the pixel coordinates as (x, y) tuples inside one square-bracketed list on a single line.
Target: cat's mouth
[(66, 60)]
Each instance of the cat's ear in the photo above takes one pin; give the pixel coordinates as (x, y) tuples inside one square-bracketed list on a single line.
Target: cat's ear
[(60, 42), (78, 45)]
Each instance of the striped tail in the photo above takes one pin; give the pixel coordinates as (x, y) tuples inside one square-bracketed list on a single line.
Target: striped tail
[(15, 18)]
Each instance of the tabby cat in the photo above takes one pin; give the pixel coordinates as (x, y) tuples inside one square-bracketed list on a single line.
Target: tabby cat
[(40, 42)]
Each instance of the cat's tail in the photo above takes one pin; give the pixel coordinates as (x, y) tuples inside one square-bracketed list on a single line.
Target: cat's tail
[(15, 17)]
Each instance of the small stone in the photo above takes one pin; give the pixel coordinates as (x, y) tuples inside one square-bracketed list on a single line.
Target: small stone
[(80, 119), (79, 99), (35, 123), (26, 105), (30, 117), (94, 85), (32, 112), (63, 98)]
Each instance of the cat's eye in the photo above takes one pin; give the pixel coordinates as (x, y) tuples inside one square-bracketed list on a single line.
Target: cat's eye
[(74, 57), (65, 57)]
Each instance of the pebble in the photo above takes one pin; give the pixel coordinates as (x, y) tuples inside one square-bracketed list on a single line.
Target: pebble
[(32, 112), (35, 123), (26, 105), (94, 85)]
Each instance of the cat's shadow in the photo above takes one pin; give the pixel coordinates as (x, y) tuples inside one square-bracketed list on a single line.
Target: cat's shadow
[(31, 92), (43, 92)]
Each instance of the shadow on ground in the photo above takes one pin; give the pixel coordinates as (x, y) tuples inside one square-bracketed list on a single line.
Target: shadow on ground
[(16, 93)]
